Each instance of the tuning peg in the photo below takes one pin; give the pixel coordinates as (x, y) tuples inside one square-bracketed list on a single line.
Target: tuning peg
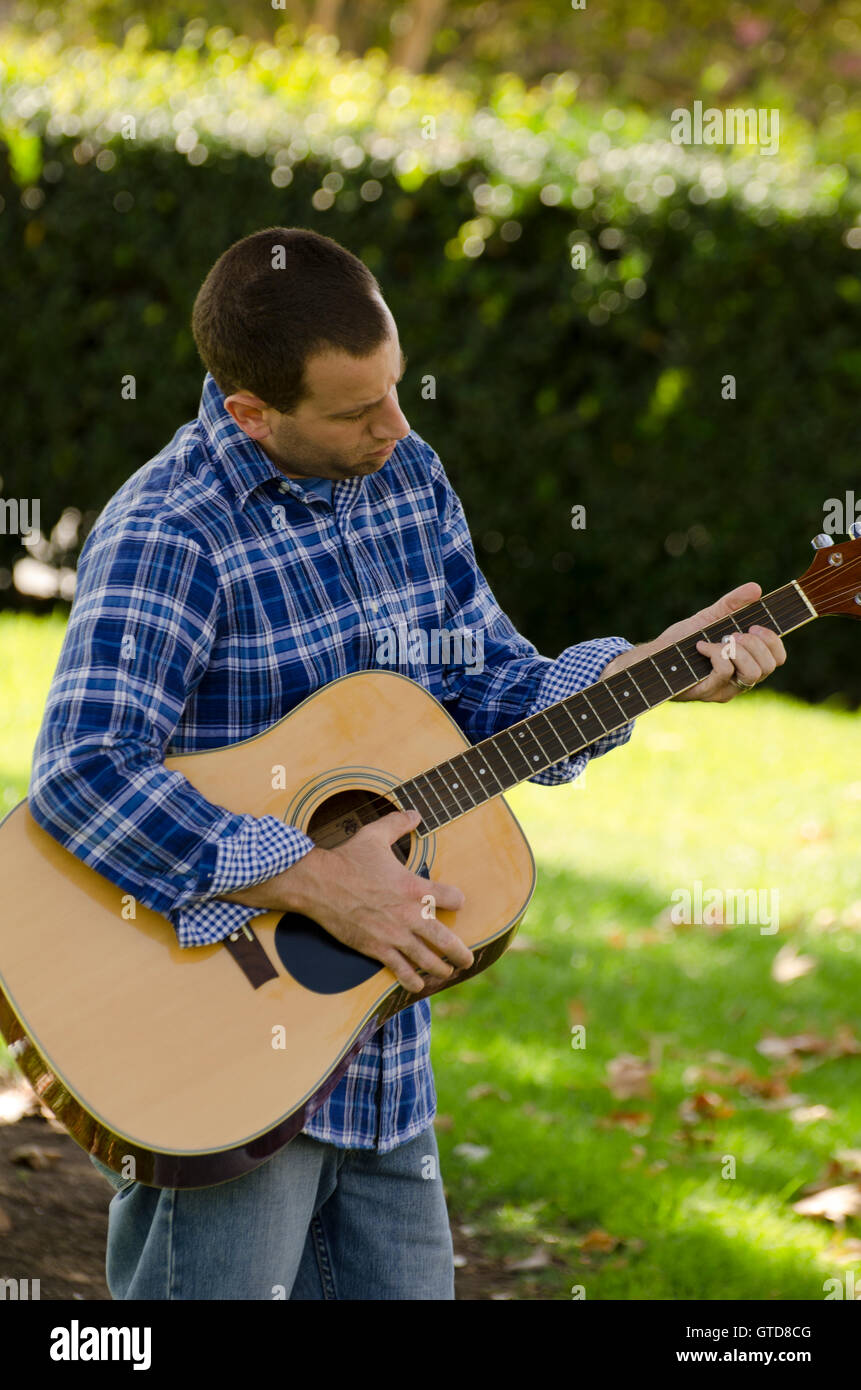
[(821, 541), (855, 531)]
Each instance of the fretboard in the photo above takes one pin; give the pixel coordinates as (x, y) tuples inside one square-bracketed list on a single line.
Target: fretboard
[(452, 788)]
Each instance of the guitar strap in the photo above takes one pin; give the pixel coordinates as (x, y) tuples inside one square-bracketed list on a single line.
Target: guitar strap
[(251, 957)]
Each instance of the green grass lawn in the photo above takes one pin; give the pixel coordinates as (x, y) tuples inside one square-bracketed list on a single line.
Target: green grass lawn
[(634, 1196)]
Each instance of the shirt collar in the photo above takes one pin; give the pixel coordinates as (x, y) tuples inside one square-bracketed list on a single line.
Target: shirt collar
[(243, 462)]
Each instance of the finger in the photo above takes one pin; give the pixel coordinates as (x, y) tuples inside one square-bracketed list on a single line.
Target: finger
[(445, 895), (752, 659), (720, 685), (396, 824), (423, 958), (718, 654), (404, 972), (446, 943), (773, 642), (748, 657)]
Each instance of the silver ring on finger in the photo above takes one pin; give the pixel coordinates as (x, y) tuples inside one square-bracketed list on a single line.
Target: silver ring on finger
[(742, 685)]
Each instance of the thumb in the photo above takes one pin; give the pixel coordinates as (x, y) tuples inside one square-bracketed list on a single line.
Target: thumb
[(735, 599), (397, 823)]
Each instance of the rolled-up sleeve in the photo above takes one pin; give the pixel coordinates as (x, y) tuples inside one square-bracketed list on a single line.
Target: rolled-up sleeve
[(138, 642)]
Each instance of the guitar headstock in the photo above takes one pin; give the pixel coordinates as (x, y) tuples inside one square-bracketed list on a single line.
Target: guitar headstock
[(833, 582)]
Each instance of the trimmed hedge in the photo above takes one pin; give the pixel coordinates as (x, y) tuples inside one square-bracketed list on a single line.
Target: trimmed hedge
[(555, 386)]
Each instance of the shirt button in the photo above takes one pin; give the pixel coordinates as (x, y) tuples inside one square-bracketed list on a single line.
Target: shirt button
[(283, 487)]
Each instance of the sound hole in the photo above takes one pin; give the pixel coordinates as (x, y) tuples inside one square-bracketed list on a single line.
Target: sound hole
[(313, 957)]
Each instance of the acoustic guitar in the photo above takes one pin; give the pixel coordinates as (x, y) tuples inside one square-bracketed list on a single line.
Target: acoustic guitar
[(186, 1068)]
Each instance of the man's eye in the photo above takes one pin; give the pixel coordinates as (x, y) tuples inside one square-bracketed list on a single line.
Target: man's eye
[(353, 417)]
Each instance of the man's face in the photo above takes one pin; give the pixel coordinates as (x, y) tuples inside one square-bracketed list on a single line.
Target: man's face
[(349, 414)]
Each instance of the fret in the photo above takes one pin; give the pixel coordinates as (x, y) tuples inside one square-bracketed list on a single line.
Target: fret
[(727, 627), (758, 613), (699, 665), (441, 794), (497, 760), (480, 765), (454, 786), (681, 651), (564, 711), (609, 689), (411, 799), (554, 754), (627, 694), (589, 726), (499, 754), (521, 748), (671, 668), (605, 705), (432, 797), (462, 764)]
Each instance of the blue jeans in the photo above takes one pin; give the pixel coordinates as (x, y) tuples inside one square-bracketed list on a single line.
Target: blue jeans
[(312, 1222)]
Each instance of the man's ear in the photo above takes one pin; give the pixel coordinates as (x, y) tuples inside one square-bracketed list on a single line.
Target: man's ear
[(250, 413)]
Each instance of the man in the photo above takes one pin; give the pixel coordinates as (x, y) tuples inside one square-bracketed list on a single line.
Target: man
[(248, 564)]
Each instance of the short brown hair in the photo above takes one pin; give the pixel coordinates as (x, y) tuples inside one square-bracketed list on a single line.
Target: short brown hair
[(275, 298)]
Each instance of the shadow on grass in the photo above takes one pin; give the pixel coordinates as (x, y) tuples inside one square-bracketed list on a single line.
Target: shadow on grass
[(689, 1162)]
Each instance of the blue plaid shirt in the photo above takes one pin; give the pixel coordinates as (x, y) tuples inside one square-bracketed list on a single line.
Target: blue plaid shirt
[(213, 595)]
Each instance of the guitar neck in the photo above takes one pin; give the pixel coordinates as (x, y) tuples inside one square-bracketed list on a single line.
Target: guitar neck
[(497, 764)]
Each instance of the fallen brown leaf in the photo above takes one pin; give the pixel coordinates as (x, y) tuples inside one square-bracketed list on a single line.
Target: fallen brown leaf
[(773, 1046), (785, 1102), (484, 1089), (576, 1012), (628, 1076), (598, 1240), (844, 1252), (832, 1203), (704, 1105), (806, 1114), (789, 964), (637, 1121), (539, 1259)]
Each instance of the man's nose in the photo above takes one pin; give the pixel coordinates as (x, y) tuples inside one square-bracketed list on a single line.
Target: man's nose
[(391, 423)]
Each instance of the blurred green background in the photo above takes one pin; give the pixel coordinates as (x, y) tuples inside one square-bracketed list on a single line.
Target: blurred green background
[(579, 288)]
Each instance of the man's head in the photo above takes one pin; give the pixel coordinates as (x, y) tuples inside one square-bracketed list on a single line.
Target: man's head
[(295, 331)]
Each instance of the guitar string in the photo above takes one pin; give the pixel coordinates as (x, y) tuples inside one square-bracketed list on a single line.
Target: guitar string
[(648, 687)]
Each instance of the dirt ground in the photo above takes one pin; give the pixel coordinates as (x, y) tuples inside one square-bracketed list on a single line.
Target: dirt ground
[(54, 1215)]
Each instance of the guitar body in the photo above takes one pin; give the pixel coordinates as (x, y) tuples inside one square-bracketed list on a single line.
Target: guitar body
[(173, 1058)]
